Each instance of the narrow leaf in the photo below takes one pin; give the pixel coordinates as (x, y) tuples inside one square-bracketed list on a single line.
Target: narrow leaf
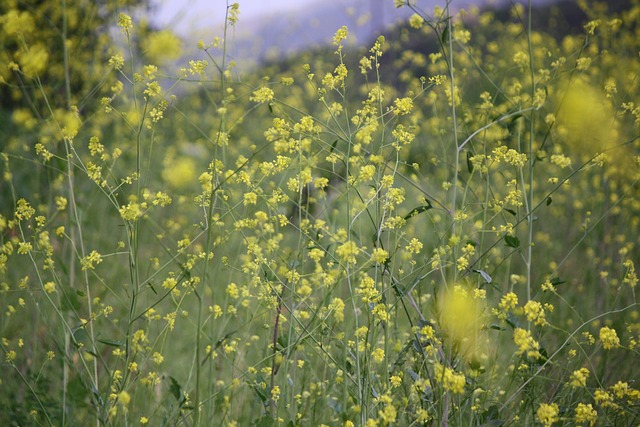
[(111, 343), (418, 210), (512, 321), (512, 241), (333, 146), (445, 34), (515, 117)]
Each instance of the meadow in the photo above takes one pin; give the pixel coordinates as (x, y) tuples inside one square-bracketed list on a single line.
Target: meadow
[(439, 228)]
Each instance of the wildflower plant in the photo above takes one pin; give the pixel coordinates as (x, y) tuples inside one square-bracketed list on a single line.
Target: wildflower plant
[(435, 229)]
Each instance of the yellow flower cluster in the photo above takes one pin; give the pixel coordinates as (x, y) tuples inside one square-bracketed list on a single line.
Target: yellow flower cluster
[(609, 338), (450, 380), (526, 344), (547, 414)]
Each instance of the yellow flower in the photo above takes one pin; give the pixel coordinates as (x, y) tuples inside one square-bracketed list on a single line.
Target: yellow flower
[(90, 261), (380, 311), (17, 22), (579, 377), (162, 47), (367, 172), (630, 278), (609, 338), (535, 313), (232, 290), (560, 160), (124, 398), (264, 94), (198, 67), (416, 21), (462, 319), (586, 414), (380, 255), (49, 287), (337, 305), (508, 302), (340, 35), (403, 106), (526, 343), (414, 246), (604, 399), (34, 61), (275, 393), (125, 23), (24, 210), (378, 355), (395, 381), (179, 172), (547, 414), (585, 116), (347, 252), (449, 379), (250, 198)]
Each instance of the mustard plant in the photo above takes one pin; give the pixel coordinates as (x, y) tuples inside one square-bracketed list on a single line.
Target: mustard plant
[(436, 228)]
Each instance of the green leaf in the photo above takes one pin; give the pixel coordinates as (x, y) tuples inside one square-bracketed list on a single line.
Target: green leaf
[(445, 34), (111, 343), (258, 390), (152, 288), (514, 118), (512, 321), (283, 342), (543, 356), (418, 210), (512, 241), (333, 146), (176, 390)]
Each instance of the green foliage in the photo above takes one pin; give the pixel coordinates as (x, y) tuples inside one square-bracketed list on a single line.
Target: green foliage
[(437, 229)]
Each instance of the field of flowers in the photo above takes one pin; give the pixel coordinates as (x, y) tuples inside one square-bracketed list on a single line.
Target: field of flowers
[(438, 229)]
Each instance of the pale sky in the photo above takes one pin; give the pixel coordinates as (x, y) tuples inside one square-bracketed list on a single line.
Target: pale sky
[(275, 27), (184, 17)]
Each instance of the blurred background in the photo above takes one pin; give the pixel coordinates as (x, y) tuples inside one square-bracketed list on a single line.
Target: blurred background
[(268, 30)]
